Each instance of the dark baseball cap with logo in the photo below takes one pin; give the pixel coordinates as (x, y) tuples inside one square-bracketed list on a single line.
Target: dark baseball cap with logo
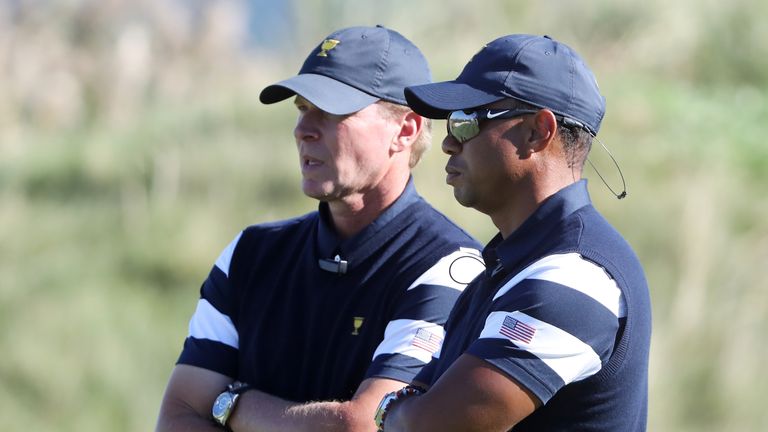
[(353, 68), (534, 69)]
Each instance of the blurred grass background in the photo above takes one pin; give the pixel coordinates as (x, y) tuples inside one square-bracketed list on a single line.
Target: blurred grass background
[(133, 148)]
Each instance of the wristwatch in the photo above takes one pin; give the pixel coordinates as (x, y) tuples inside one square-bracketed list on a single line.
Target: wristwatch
[(388, 399), (225, 403)]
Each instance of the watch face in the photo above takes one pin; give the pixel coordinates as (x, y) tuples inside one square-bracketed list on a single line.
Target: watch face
[(222, 405)]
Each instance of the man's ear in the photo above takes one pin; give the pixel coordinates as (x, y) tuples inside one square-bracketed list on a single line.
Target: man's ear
[(410, 128), (543, 130)]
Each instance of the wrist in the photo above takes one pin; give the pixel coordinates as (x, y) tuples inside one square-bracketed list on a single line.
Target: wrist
[(390, 400)]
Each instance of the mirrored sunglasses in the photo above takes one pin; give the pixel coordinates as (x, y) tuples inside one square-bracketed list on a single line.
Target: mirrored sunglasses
[(465, 125)]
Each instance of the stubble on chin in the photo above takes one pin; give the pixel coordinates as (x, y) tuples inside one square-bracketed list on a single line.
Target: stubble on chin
[(319, 192), (460, 197)]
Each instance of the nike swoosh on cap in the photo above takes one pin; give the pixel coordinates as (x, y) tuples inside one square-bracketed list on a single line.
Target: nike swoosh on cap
[(493, 115)]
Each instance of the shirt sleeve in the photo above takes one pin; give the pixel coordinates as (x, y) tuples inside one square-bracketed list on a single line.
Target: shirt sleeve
[(415, 334), (554, 323), (212, 342)]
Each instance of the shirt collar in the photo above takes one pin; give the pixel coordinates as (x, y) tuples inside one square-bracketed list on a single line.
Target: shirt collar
[(505, 254), (330, 244)]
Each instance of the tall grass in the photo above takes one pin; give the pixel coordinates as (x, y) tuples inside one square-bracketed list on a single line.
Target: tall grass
[(132, 149)]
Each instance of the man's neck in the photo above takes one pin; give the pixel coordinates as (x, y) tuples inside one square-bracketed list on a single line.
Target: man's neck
[(353, 213), (509, 219)]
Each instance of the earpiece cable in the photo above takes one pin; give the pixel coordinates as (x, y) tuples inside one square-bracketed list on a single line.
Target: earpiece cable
[(623, 193)]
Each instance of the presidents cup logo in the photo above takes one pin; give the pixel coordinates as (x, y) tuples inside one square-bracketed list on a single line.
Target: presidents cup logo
[(357, 322), (326, 46)]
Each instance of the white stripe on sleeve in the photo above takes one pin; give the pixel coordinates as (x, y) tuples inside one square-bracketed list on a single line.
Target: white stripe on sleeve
[(570, 358), (209, 323), (400, 337), (454, 271), (225, 259), (573, 271)]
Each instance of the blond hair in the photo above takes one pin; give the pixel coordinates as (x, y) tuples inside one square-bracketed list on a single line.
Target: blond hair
[(423, 141)]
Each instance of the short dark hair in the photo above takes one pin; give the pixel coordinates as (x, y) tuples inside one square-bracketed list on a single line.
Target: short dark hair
[(577, 143)]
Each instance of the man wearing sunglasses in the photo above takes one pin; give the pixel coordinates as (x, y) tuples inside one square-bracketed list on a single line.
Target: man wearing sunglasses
[(304, 324), (555, 334)]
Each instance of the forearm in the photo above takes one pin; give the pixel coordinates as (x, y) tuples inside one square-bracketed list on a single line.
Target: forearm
[(185, 420), (188, 400), (472, 395), (261, 412)]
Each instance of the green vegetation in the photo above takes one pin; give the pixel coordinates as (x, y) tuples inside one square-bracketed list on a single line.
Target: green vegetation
[(132, 151)]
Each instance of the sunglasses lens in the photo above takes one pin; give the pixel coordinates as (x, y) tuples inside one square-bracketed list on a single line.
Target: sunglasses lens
[(463, 126)]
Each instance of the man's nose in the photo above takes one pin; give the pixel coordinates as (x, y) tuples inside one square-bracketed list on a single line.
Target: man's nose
[(306, 128), (450, 145)]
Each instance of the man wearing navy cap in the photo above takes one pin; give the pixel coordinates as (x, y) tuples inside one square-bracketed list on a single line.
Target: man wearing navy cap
[(554, 335), (304, 324)]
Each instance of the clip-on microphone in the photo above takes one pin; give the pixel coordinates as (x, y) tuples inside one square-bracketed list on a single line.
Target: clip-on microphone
[(336, 265)]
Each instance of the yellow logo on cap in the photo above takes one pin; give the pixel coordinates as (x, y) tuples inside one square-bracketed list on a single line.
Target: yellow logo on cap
[(326, 46)]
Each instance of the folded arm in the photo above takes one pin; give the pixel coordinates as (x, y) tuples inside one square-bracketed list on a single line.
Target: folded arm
[(189, 398), (472, 395), (191, 391), (258, 411)]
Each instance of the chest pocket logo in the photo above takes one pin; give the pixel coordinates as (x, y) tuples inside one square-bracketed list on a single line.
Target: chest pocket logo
[(357, 322)]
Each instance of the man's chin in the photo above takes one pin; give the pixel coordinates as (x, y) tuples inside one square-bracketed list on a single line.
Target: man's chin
[(316, 195), (317, 192), (459, 197), (464, 199)]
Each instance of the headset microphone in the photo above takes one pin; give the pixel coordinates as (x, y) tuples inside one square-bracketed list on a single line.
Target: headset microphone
[(623, 193)]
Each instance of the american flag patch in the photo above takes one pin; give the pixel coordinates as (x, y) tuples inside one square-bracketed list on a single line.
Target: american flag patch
[(427, 341), (516, 330)]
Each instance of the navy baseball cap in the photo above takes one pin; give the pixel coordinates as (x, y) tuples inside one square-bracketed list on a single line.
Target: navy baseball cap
[(353, 68), (534, 69)]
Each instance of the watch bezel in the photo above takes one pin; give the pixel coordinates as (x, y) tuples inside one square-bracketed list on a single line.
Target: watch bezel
[(381, 411), (389, 398), (224, 404)]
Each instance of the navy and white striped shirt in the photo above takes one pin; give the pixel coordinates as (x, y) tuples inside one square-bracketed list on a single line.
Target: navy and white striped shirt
[(270, 316), (563, 308)]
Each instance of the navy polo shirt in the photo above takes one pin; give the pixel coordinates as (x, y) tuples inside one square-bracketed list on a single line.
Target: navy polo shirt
[(562, 308), (272, 316)]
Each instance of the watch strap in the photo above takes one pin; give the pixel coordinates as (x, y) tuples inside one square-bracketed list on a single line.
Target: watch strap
[(238, 387), (389, 399)]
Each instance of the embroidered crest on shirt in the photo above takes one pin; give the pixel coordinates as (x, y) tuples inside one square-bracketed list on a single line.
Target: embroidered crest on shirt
[(427, 341), (357, 322), (516, 330)]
